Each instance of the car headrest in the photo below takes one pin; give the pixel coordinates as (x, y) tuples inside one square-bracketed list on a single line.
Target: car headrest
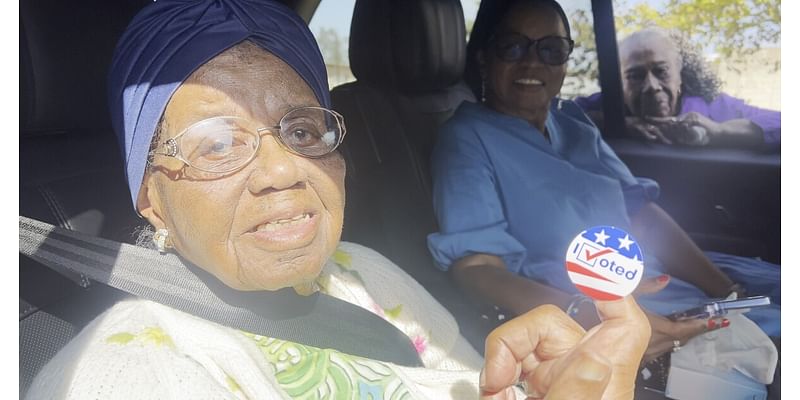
[(65, 52), (411, 46)]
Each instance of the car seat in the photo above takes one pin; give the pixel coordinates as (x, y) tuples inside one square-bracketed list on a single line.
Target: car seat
[(70, 169), (408, 59)]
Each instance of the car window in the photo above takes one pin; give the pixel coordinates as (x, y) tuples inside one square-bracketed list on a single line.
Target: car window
[(582, 69), (331, 27), (738, 40), (470, 8), (731, 49)]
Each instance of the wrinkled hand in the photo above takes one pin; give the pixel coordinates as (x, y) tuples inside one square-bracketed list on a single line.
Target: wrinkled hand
[(651, 131), (664, 331), (690, 129), (695, 119), (557, 359)]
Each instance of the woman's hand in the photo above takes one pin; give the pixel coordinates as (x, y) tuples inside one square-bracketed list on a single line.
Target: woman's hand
[(695, 129), (643, 129), (694, 120), (691, 129), (557, 359), (667, 334)]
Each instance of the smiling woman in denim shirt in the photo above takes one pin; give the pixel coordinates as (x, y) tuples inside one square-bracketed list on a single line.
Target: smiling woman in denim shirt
[(519, 174)]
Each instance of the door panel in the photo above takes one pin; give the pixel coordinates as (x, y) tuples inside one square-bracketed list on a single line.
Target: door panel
[(727, 199)]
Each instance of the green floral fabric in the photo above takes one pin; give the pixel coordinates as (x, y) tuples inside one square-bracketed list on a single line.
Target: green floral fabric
[(306, 372)]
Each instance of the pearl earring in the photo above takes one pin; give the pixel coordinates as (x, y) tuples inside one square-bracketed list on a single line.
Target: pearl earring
[(160, 240)]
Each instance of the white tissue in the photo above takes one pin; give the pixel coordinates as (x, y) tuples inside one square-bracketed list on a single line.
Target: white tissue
[(742, 346)]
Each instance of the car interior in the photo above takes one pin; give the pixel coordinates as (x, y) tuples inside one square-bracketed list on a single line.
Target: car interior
[(408, 59)]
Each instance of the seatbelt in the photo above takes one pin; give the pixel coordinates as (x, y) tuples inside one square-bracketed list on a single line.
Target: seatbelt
[(319, 320)]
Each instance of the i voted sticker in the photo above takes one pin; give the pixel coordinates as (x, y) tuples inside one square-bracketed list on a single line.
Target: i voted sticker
[(605, 263)]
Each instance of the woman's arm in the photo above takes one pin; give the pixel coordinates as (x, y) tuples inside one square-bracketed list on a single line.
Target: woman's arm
[(486, 279), (657, 232), (735, 132), (635, 127)]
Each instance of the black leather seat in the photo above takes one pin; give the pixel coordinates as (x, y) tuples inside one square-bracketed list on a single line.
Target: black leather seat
[(71, 171), (70, 167), (408, 58)]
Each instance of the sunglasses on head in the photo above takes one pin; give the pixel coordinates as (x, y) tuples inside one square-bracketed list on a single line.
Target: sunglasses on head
[(551, 50)]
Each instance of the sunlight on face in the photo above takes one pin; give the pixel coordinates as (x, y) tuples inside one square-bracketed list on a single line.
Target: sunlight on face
[(269, 225)]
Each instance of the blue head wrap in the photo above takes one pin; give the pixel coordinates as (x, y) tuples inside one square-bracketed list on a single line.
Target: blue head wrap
[(170, 39)]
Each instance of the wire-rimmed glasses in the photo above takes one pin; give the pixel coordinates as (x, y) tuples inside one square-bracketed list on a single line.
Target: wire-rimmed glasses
[(225, 144)]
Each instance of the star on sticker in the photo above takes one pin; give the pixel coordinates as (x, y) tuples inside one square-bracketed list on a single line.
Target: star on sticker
[(601, 237), (625, 243)]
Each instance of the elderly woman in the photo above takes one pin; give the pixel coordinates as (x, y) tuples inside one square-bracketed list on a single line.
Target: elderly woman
[(672, 97), (518, 175), (222, 112)]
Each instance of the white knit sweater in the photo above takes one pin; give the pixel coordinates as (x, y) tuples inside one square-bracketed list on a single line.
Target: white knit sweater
[(143, 350)]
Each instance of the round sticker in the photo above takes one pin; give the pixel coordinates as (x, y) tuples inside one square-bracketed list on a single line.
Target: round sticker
[(605, 263)]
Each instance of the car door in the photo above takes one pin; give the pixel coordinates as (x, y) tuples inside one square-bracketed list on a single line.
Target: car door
[(726, 198)]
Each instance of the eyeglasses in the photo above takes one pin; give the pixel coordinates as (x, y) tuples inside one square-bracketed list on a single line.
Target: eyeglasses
[(551, 50), (225, 144)]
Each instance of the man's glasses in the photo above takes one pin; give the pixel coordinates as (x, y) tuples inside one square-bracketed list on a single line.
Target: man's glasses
[(225, 144), (551, 50)]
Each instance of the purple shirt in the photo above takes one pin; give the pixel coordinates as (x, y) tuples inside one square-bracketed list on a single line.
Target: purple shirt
[(721, 109)]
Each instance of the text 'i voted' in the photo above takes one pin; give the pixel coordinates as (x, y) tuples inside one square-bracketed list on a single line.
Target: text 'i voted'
[(605, 263)]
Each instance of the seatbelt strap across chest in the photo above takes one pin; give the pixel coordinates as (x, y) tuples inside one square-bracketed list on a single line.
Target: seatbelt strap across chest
[(321, 321)]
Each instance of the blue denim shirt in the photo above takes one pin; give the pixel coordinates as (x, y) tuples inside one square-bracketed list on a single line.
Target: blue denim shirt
[(501, 188)]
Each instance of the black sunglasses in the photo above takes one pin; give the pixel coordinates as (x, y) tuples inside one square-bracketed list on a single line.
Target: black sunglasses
[(551, 50)]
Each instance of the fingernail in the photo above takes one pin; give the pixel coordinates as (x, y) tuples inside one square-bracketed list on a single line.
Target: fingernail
[(713, 324), (726, 322), (592, 370), (663, 278), (482, 380)]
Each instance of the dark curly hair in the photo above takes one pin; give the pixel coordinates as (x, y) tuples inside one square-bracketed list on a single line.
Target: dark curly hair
[(697, 79)]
